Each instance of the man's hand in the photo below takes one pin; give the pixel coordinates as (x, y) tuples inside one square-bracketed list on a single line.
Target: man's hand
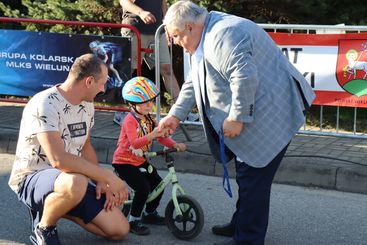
[(158, 132), (232, 128), (101, 188), (170, 122), (147, 17), (118, 188)]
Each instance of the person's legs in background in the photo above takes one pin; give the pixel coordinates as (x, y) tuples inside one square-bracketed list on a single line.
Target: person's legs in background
[(166, 71), (170, 81)]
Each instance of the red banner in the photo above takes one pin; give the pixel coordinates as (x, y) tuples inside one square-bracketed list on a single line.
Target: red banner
[(334, 64)]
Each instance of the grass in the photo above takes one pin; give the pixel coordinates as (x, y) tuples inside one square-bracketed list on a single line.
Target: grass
[(346, 118)]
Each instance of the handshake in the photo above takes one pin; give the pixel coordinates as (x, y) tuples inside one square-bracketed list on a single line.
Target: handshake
[(165, 128)]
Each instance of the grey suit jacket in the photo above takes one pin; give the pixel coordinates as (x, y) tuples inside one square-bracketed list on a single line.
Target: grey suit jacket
[(248, 79)]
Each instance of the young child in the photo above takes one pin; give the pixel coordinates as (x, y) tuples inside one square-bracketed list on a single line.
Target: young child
[(137, 133)]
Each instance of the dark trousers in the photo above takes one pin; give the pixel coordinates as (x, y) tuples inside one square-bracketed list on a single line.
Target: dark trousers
[(142, 184), (252, 208)]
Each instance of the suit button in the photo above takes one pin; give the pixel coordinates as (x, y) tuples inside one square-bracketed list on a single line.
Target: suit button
[(251, 109)]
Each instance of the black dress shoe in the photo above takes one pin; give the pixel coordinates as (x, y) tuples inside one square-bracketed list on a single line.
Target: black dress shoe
[(223, 230)]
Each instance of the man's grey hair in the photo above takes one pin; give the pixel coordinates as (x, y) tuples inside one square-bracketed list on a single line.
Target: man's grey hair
[(183, 12)]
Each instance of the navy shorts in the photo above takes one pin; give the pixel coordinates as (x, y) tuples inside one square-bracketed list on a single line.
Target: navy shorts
[(38, 185)]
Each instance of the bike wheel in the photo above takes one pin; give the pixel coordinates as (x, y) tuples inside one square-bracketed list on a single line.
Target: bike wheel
[(190, 223)]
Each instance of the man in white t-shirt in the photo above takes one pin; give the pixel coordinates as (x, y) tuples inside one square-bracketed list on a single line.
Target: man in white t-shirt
[(56, 172)]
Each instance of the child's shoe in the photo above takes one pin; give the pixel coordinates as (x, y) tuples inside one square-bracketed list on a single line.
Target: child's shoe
[(138, 228), (153, 218)]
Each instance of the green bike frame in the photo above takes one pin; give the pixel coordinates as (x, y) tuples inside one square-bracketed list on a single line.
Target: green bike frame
[(171, 177)]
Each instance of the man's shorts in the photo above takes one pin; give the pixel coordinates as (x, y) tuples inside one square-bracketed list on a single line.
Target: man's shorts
[(39, 185), (148, 41)]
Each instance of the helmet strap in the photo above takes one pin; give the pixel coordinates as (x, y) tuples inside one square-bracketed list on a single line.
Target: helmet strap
[(135, 110)]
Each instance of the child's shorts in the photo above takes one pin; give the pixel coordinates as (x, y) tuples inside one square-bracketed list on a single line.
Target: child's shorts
[(38, 185)]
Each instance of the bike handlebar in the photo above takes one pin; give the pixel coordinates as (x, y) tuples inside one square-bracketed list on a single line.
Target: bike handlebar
[(160, 153)]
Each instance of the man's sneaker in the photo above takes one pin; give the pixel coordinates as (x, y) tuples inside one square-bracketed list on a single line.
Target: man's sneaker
[(34, 217), (47, 236), (119, 117), (33, 238), (138, 228), (153, 218)]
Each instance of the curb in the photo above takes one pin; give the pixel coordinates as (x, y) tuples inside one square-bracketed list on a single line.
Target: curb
[(309, 172)]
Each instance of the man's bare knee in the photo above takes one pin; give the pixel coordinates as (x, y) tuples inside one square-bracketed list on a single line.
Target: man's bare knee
[(118, 233), (72, 185), (113, 224)]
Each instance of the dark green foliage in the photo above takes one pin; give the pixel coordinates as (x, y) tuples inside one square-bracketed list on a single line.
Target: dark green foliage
[(318, 12), (81, 10), (325, 12)]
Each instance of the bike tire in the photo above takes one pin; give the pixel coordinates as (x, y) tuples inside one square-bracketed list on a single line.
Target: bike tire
[(192, 221)]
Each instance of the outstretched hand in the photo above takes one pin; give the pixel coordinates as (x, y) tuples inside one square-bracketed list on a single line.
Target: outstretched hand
[(159, 132), (169, 123)]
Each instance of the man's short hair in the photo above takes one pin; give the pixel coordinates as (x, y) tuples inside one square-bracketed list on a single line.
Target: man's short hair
[(86, 65), (182, 12)]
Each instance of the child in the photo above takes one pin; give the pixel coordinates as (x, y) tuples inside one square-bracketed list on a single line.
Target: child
[(137, 133)]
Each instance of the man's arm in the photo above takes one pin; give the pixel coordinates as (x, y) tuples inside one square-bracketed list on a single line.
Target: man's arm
[(53, 147), (89, 153), (146, 16), (129, 6)]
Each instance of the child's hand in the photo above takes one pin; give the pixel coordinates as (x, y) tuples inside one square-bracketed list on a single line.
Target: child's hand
[(180, 146)]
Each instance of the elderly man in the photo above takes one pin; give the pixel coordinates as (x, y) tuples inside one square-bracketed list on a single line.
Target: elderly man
[(56, 164), (251, 100)]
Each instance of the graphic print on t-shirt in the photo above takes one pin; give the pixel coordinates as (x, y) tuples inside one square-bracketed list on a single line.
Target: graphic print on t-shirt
[(77, 129)]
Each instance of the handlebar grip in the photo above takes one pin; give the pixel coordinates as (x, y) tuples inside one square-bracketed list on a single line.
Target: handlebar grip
[(150, 154), (171, 150), (158, 153)]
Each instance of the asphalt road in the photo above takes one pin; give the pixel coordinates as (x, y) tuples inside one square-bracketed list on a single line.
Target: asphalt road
[(298, 215)]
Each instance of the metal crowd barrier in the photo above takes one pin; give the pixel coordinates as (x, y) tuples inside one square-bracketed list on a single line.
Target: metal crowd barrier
[(290, 28)]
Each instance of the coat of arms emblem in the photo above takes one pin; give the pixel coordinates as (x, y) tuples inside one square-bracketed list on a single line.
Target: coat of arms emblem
[(351, 67)]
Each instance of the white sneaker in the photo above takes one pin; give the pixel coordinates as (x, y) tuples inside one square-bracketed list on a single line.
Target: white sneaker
[(119, 117)]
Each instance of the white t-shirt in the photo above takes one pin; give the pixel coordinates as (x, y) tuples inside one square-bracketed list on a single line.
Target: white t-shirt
[(49, 111)]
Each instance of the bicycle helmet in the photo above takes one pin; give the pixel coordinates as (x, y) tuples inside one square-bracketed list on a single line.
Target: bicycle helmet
[(139, 90)]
